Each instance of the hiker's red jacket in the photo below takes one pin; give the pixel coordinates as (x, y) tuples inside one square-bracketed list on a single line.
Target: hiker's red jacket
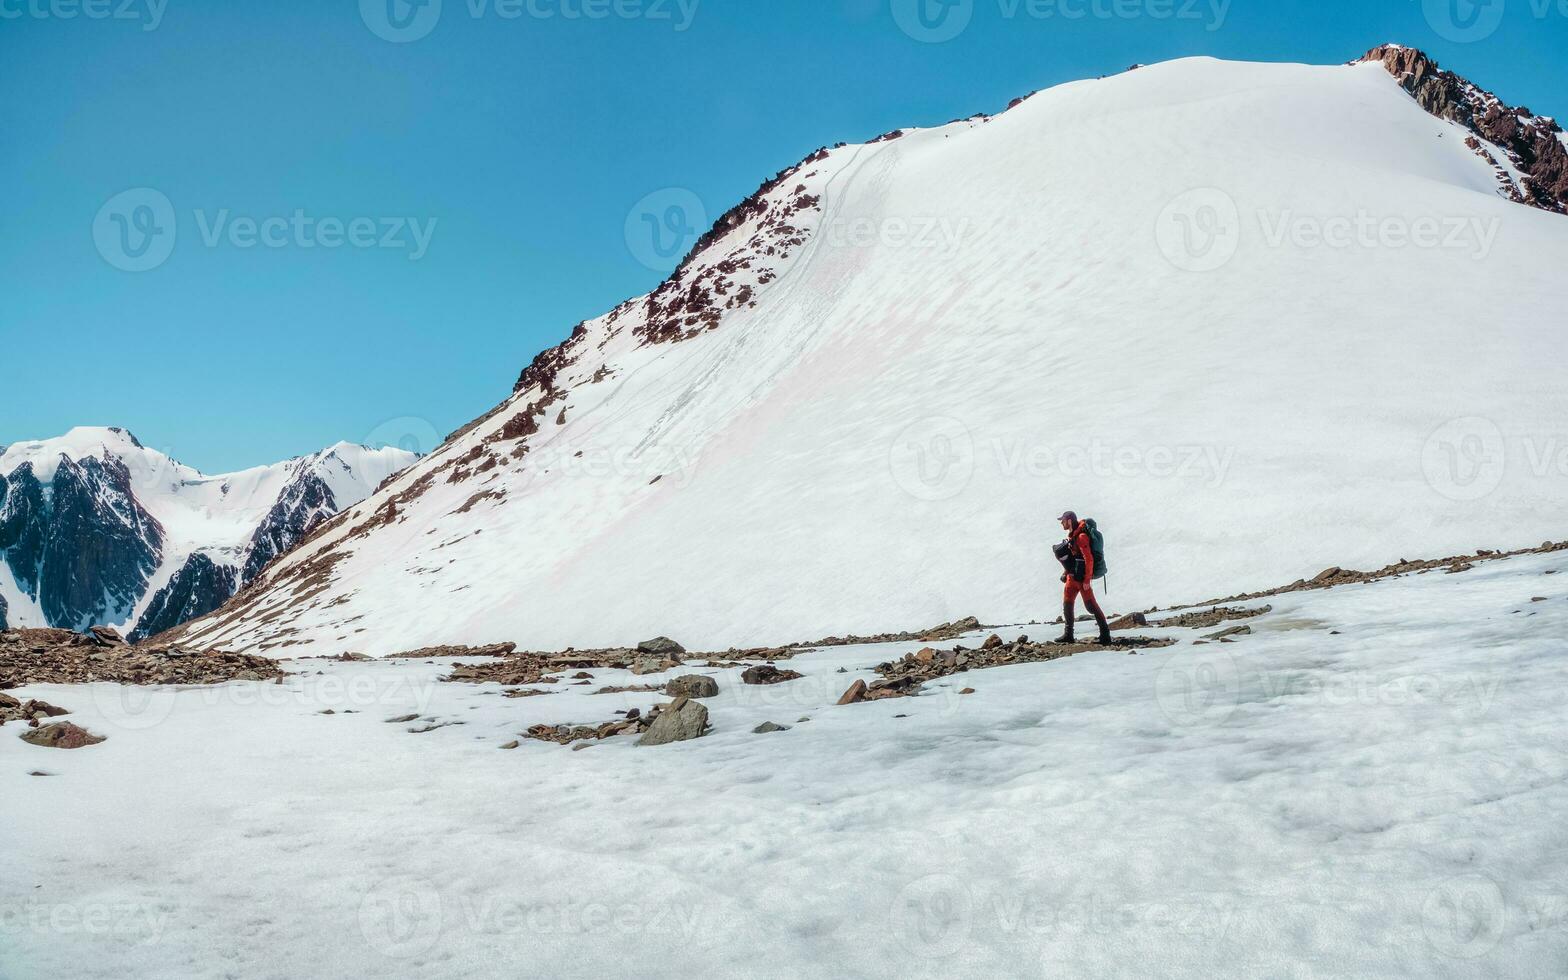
[(1083, 550)]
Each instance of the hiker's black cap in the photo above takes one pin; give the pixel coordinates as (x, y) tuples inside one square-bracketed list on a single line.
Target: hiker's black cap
[(1069, 516)]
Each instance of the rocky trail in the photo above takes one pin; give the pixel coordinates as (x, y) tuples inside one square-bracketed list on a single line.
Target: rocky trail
[(659, 666)]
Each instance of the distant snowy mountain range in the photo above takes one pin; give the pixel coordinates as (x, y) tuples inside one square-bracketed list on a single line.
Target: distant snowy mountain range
[(1258, 319), (97, 529)]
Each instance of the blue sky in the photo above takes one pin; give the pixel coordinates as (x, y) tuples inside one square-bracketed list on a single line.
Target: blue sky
[(491, 152)]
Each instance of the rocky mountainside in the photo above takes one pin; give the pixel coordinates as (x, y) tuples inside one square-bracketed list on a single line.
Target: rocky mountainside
[(96, 529), (1230, 309), (1528, 152)]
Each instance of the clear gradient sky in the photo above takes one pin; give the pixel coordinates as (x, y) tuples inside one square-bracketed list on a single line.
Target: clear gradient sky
[(527, 131)]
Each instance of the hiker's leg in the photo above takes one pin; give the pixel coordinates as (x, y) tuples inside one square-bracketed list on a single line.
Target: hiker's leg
[(1069, 612), (1093, 605)]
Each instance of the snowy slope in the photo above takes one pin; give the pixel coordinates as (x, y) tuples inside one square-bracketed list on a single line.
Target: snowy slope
[(1256, 318), (188, 513), (1371, 784)]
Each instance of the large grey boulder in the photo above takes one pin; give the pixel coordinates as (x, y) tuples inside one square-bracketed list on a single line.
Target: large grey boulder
[(692, 686), (662, 646), (685, 719)]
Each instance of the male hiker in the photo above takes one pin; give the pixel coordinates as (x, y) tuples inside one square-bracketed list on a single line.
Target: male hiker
[(1077, 555)]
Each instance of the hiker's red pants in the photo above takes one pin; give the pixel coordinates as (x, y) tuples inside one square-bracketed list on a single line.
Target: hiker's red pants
[(1076, 588)]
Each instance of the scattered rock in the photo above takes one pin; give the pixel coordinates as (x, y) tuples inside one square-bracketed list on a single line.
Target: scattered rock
[(904, 677), (937, 634), (767, 727), (802, 719), (662, 646), (647, 665), (428, 653), (402, 719), (106, 636), (1228, 634), (967, 690), (514, 743), (1206, 618), (1129, 621), (768, 674), (50, 656), (992, 642), (432, 726), (31, 711), (692, 686), (682, 720), (61, 735), (856, 693)]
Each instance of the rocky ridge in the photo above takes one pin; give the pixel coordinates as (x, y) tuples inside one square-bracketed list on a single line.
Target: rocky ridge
[(52, 656), (1534, 146)]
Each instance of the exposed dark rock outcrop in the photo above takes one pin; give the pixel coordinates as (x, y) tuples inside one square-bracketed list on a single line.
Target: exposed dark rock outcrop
[(1534, 144), (302, 506), (83, 547), (24, 526), (200, 586)]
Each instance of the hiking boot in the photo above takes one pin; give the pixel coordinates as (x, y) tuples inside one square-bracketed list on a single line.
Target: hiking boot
[(1105, 629), (1067, 631)]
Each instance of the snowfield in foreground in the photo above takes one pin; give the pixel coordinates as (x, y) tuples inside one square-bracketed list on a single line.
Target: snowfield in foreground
[(1384, 801)]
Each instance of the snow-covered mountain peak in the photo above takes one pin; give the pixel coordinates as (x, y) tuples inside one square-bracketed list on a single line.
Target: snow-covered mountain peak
[(81, 442), (97, 528)]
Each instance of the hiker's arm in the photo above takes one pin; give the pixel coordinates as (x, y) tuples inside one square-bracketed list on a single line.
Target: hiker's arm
[(1086, 549)]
